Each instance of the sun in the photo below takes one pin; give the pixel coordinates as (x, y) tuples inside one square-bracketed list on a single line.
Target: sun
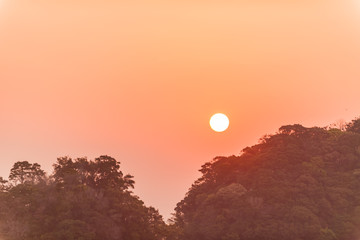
[(219, 122)]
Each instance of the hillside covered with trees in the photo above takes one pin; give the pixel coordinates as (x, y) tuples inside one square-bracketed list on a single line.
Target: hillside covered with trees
[(82, 200), (300, 184)]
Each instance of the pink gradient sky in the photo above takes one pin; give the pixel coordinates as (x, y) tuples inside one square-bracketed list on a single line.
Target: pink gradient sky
[(140, 80)]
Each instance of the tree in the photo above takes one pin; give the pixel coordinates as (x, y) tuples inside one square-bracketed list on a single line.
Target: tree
[(354, 126), (83, 199), (301, 183), (103, 172), (25, 172), (3, 185)]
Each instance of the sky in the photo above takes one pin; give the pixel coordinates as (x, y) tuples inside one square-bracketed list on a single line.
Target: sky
[(139, 81)]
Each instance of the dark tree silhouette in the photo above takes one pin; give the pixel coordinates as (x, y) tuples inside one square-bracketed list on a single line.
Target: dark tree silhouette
[(301, 183), (82, 199), (23, 172)]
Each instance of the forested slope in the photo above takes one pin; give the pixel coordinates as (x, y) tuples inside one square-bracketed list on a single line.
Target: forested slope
[(301, 183), (82, 200)]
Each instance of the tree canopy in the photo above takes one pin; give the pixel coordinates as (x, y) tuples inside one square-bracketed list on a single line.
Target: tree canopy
[(82, 199), (301, 183)]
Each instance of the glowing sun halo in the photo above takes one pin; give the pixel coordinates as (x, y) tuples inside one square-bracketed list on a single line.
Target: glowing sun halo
[(219, 122)]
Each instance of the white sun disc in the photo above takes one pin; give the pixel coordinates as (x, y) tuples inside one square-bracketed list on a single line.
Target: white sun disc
[(219, 122)]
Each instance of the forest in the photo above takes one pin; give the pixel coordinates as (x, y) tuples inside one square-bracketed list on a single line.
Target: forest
[(299, 183)]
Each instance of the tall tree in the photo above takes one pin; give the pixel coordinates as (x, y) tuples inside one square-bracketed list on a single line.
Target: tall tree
[(25, 172)]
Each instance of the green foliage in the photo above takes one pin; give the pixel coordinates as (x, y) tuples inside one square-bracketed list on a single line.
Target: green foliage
[(82, 200), (301, 183)]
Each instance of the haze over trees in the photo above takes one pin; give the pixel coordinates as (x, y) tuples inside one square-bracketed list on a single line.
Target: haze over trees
[(300, 184), (82, 200)]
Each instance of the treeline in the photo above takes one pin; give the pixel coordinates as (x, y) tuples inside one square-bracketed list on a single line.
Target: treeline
[(300, 184), (81, 200)]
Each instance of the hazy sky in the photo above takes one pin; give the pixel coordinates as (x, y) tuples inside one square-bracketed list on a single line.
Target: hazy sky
[(139, 80)]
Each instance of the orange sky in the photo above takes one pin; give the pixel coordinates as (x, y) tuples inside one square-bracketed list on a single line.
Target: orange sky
[(139, 80)]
